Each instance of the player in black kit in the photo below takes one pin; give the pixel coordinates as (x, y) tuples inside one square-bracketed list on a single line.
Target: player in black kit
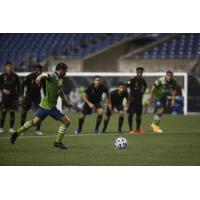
[(10, 88), (115, 103), (137, 87), (32, 95), (92, 99)]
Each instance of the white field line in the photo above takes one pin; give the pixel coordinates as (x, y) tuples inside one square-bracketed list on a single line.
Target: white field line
[(105, 134)]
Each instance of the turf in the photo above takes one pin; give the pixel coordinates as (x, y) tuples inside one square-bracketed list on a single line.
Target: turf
[(178, 145)]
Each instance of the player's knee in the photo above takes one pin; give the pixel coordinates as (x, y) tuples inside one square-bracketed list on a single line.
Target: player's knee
[(121, 114), (100, 111), (36, 121)]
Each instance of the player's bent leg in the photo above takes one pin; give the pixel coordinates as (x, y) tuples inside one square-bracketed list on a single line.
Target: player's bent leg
[(130, 122), (3, 116), (12, 122), (61, 132), (99, 119), (24, 128), (106, 120), (80, 123), (156, 120), (121, 120)]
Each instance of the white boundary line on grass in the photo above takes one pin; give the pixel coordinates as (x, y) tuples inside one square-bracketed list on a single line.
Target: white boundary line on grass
[(107, 134)]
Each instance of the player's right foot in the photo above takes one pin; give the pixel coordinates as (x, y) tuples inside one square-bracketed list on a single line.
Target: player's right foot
[(11, 130), (97, 131), (1, 130), (60, 145), (156, 129), (77, 131), (130, 131), (13, 137), (38, 133)]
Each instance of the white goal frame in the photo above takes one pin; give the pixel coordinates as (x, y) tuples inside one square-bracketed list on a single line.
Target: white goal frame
[(127, 74)]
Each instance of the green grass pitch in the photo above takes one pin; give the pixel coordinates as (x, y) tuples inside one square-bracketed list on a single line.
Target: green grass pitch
[(178, 145)]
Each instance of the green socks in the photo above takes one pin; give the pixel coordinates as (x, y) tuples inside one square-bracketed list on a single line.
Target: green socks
[(156, 120), (25, 127), (61, 132)]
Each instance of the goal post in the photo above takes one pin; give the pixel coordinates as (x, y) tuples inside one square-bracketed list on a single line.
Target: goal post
[(151, 76)]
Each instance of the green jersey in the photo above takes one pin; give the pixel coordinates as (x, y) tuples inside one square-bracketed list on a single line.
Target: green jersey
[(163, 87), (54, 87)]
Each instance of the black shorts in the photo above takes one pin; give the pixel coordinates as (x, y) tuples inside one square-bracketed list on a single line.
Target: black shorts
[(118, 107), (87, 110), (9, 103), (135, 107), (29, 102)]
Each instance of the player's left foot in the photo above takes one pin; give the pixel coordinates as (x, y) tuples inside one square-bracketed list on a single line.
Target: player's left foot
[(38, 133), (97, 131), (13, 137), (60, 145), (130, 131), (77, 131), (11, 130), (156, 129)]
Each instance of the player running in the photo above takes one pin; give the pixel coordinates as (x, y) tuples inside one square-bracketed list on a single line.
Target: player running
[(54, 89), (115, 103), (161, 89), (10, 87), (137, 87), (92, 99), (32, 95)]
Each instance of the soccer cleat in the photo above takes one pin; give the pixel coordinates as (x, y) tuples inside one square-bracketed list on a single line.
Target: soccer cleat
[(77, 131), (139, 131), (13, 137), (60, 145), (97, 131), (39, 133), (11, 130), (130, 131), (156, 129), (1, 130)]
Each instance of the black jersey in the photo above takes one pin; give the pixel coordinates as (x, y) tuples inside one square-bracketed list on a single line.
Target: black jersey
[(116, 98), (94, 95), (32, 89), (10, 82), (137, 88)]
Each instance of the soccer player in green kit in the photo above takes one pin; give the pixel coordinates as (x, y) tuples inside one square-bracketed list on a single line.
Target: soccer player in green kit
[(161, 89), (54, 89)]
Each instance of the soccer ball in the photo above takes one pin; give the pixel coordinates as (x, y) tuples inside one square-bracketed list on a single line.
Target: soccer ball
[(121, 143)]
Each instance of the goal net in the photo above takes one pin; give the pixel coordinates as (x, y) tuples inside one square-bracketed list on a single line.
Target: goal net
[(75, 83)]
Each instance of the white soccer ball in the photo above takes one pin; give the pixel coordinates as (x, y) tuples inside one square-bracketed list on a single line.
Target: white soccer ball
[(121, 143)]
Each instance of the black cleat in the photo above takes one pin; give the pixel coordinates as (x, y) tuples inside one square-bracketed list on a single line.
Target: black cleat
[(13, 137), (119, 131), (60, 145)]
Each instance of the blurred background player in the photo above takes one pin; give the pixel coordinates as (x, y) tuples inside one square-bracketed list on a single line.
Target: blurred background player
[(10, 87), (54, 89), (137, 87), (32, 95), (92, 99), (115, 103), (161, 89)]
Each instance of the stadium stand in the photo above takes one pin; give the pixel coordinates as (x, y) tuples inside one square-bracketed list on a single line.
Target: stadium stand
[(185, 46), (16, 47)]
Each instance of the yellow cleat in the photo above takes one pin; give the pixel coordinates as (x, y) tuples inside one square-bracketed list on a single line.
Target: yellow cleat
[(156, 129)]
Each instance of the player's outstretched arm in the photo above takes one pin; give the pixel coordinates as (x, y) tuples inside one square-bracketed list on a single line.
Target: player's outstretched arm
[(66, 100)]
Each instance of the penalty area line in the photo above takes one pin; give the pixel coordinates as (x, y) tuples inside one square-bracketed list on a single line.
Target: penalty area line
[(107, 134)]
